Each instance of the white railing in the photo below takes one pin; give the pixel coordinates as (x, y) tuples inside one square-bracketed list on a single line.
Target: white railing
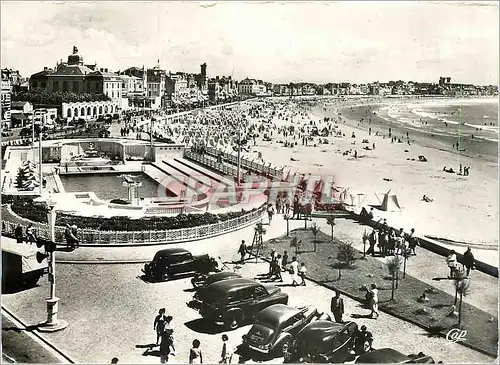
[(98, 237)]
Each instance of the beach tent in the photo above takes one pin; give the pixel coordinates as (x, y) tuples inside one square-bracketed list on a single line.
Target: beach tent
[(390, 202)]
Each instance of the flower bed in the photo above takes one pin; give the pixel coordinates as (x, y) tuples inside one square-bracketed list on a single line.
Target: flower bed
[(27, 208)]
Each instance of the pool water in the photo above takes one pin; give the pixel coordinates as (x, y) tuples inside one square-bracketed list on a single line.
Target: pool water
[(108, 186)]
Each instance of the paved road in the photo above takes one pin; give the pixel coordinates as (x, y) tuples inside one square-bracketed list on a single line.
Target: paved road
[(111, 310)]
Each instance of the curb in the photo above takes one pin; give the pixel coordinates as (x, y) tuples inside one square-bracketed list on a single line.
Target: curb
[(101, 262), (441, 334)]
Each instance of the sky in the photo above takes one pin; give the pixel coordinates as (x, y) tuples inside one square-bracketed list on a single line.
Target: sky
[(280, 41)]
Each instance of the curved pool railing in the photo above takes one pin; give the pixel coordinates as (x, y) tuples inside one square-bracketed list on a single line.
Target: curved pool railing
[(94, 237)]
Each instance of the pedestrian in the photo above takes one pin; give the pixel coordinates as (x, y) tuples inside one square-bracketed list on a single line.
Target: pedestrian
[(287, 206), (271, 261), (363, 341), (302, 273), (270, 212), (18, 232), (277, 268), (337, 307), (30, 234), (469, 261), (412, 241), (242, 251), (373, 292), (68, 235), (451, 262), (195, 355), (372, 240), (284, 260), (159, 324), (295, 271), (165, 347), (114, 360), (169, 330), (227, 351)]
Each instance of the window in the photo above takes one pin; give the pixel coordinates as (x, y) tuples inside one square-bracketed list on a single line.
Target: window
[(233, 298), (259, 292), (246, 294), (43, 84), (75, 86), (55, 85)]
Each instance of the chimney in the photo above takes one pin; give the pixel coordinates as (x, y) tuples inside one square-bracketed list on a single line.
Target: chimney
[(45, 68)]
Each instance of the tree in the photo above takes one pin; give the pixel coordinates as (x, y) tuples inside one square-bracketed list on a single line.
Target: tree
[(346, 256), (295, 244), (330, 220), (315, 230), (393, 266)]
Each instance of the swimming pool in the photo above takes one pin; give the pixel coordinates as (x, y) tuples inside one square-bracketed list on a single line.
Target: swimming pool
[(108, 186)]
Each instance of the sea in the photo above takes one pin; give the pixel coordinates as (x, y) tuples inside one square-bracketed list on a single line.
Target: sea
[(472, 122)]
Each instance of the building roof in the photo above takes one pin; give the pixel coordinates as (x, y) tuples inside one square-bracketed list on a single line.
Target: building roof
[(18, 104), (71, 70), (105, 75)]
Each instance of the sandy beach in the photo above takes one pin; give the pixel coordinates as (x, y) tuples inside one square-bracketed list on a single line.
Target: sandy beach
[(464, 208)]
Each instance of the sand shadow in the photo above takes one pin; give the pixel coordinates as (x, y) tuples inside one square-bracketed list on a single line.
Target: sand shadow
[(147, 346), (148, 352), (201, 325), (190, 290), (355, 315), (441, 305), (30, 328)]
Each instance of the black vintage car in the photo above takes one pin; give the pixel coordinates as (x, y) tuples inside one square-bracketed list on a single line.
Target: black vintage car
[(235, 301), (170, 262), (391, 356), (325, 342), (275, 326), (205, 280)]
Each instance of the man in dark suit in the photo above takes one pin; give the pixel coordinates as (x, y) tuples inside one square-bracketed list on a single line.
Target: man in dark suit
[(337, 307)]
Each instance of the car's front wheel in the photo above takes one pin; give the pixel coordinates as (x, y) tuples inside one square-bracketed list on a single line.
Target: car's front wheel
[(232, 320), (285, 349)]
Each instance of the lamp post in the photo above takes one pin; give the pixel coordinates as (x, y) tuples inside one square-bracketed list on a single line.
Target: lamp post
[(52, 324), (238, 143), (287, 218)]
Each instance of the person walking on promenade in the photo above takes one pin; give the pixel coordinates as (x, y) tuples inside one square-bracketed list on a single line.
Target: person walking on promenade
[(165, 344), (276, 269), (284, 260), (242, 251), (451, 261), (337, 307), (169, 330), (270, 212), (159, 324), (272, 262), (30, 234), (469, 261), (372, 240), (373, 292), (295, 271), (195, 355), (412, 241), (302, 274), (18, 233), (287, 206), (227, 351)]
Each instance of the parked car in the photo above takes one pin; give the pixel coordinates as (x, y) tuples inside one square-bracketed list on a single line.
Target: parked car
[(202, 281), (275, 326), (391, 356), (235, 301), (170, 262), (325, 341)]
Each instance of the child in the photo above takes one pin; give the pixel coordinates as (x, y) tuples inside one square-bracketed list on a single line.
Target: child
[(195, 356)]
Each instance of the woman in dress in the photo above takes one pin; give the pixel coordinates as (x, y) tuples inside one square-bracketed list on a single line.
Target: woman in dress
[(195, 356), (374, 299)]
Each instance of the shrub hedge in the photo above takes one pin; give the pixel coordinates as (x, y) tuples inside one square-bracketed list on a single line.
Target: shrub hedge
[(27, 208)]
